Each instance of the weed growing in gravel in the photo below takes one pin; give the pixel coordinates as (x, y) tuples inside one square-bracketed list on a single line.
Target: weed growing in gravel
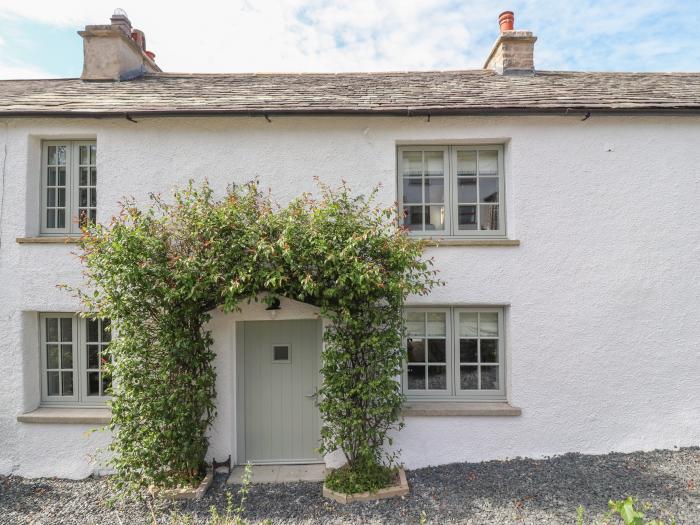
[(623, 512), (231, 515)]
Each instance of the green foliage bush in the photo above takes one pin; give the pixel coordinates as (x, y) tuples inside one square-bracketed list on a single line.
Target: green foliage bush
[(157, 272), (368, 478)]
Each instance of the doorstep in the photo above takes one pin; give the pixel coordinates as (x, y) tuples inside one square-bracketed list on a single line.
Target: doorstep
[(279, 473)]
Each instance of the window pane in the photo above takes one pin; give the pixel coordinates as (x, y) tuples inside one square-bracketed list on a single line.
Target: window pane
[(61, 193), (416, 377), (67, 383), (82, 197), (436, 351), (93, 176), (50, 218), (51, 197), (437, 378), (66, 356), (412, 190), (52, 383), (466, 190), (52, 356), (489, 351), (93, 330), (434, 163), (93, 197), (466, 163), (489, 377), (93, 356), (488, 163), (106, 330), (489, 217), (51, 177), (416, 351), (488, 189), (467, 350), (52, 154), (51, 329), (413, 217), (434, 190), (467, 324), (415, 323), (435, 218), (66, 329), (106, 385), (412, 163), (61, 155), (93, 383), (467, 217), (468, 377), (83, 177), (93, 153), (488, 324), (437, 325), (60, 218), (61, 176), (84, 155)]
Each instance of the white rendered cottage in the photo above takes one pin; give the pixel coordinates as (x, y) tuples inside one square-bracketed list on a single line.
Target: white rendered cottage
[(563, 208)]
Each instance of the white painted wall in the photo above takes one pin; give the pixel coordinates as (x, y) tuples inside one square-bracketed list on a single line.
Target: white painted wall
[(602, 295)]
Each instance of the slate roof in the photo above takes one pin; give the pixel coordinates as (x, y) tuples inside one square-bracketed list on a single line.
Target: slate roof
[(400, 93)]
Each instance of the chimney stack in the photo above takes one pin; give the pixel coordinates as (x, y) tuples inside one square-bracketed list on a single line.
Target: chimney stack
[(115, 51), (513, 51)]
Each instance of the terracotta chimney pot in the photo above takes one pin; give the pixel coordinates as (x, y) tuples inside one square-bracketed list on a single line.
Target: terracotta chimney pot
[(506, 20)]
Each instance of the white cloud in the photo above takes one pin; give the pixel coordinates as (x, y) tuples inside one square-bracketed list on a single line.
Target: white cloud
[(371, 35)]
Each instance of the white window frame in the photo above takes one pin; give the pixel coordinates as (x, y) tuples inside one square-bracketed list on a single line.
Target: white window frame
[(72, 226), (80, 365), (453, 391), (451, 193)]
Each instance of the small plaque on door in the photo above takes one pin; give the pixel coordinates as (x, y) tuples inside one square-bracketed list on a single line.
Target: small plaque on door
[(281, 354)]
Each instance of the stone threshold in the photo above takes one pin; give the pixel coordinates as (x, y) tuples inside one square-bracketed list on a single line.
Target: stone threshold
[(279, 473), (472, 242), (67, 415), (48, 240), (457, 408), (398, 490)]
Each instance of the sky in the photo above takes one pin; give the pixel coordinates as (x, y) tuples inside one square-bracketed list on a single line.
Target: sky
[(38, 37)]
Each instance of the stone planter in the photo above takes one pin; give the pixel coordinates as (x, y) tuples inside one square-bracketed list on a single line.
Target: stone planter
[(181, 493), (400, 489)]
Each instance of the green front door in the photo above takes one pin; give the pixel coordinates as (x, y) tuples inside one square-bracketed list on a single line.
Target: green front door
[(281, 362)]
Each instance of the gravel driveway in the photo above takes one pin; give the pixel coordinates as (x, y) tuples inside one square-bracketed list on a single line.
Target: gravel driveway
[(520, 491)]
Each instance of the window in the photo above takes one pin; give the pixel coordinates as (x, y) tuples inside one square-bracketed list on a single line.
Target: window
[(73, 354), (68, 186), (454, 353), (280, 354), (452, 190)]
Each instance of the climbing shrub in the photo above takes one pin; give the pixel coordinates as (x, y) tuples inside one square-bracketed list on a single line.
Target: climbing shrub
[(157, 272)]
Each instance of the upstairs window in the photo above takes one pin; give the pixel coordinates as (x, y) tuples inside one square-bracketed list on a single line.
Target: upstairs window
[(68, 186), (73, 356), (452, 190)]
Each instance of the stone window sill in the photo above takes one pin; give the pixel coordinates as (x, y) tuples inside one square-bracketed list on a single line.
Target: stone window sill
[(67, 415), (458, 408), (49, 240), (472, 242)]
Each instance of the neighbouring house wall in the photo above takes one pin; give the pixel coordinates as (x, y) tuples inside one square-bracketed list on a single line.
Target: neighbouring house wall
[(601, 296)]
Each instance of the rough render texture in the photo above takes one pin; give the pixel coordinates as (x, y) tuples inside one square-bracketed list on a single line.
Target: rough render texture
[(601, 295)]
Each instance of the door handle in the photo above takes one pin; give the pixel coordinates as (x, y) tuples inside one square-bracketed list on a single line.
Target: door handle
[(313, 396)]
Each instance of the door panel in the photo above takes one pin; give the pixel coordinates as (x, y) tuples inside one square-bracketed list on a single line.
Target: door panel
[(281, 365)]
